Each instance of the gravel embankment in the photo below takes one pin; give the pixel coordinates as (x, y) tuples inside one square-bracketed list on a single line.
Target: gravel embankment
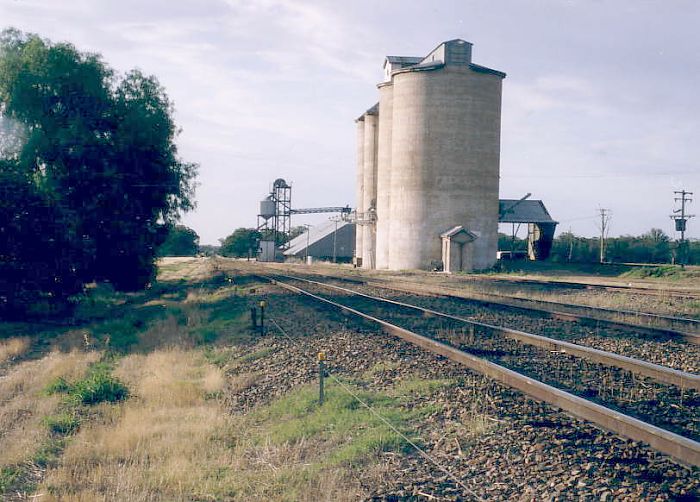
[(501, 444), (666, 406), (664, 351)]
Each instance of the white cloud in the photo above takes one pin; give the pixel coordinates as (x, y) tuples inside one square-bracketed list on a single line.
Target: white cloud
[(269, 88)]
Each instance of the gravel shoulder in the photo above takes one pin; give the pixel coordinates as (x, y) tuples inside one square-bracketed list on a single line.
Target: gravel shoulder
[(499, 443)]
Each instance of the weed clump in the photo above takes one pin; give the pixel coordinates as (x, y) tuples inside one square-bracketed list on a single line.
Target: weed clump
[(64, 423), (97, 387)]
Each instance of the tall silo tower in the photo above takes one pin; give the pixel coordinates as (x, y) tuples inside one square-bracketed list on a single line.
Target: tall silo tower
[(438, 161), (367, 142), (360, 182)]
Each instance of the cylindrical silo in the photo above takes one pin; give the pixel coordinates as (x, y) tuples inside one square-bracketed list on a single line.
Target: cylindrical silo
[(444, 162), (360, 182), (369, 189), (382, 242)]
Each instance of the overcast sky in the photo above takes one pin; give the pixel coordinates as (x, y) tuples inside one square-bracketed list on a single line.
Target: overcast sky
[(601, 105)]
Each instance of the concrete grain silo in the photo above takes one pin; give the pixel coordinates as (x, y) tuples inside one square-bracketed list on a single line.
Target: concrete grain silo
[(360, 183), (367, 136), (438, 162), (369, 198), (383, 223)]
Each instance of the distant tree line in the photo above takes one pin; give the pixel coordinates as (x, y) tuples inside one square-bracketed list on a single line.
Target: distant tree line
[(245, 242), (91, 182), (180, 241), (242, 243), (651, 247)]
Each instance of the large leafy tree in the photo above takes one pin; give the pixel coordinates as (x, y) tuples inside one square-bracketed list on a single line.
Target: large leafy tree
[(98, 151)]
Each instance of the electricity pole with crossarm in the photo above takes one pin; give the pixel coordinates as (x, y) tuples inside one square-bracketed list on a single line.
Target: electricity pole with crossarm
[(681, 221)]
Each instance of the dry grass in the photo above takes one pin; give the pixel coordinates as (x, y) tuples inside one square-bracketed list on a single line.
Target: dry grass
[(241, 382), (13, 347), (176, 268), (171, 441), (24, 404), (164, 443)]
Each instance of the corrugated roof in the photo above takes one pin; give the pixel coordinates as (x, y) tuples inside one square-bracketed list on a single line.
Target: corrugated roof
[(526, 211), (410, 63), (316, 233), (483, 69), (373, 110), (404, 59)]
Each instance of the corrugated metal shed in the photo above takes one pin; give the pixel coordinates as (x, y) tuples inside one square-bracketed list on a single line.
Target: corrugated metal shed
[(320, 241), (525, 211)]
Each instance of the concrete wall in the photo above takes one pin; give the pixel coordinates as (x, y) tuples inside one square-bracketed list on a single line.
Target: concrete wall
[(444, 163), (360, 180), (382, 243), (369, 199)]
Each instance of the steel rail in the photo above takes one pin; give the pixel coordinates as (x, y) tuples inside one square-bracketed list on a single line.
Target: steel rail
[(651, 291), (517, 303), (657, 372), (634, 313), (441, 292), (683, 449), (695, 323)]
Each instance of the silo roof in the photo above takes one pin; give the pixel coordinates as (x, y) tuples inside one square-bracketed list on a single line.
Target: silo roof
[(316, 234), (523, 211), (373, 110), (404, 59), (484, 69), (410, 63)]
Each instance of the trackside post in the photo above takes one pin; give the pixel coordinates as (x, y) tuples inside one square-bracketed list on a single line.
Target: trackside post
[(321, 375)]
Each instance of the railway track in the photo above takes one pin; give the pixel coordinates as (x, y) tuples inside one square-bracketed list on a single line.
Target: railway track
[(612, 394), (653, 325), (660, 348), (563, 284), (657, 372)]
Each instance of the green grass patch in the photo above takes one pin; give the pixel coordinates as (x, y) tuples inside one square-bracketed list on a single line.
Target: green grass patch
[(58, 386), (218, 356), (8, 477), (348, 431), (672, 272), (98, 386), (63, 423), (420, 387), (50, 452), (254, 356), (382, 367), (228, 320), (122, 335)]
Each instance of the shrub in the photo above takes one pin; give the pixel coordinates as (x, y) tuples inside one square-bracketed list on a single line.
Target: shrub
[(64, 423), (98, 388)]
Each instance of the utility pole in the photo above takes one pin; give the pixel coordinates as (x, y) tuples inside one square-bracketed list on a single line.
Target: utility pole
[(681, 220), (605, 215), (336, 219), (308, 231)]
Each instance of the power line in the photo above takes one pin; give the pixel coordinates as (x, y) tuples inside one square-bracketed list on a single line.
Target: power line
[(420, 451), (596, 176)]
